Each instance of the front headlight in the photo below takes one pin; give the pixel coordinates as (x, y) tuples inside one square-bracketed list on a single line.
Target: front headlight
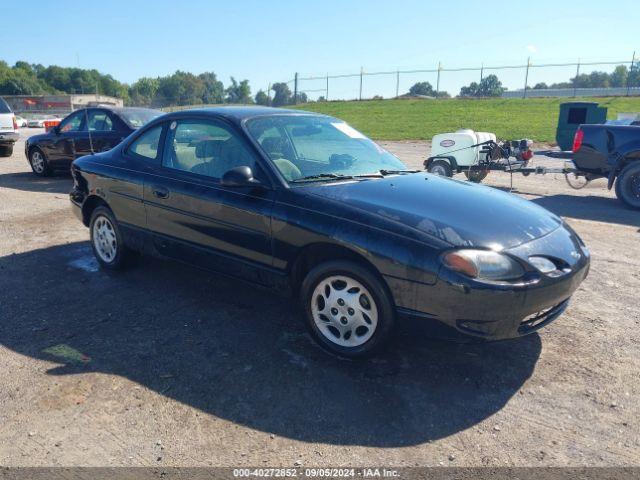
[(483, 264)]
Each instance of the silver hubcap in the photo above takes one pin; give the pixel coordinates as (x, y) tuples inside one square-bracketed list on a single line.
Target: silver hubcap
[(438, 170), (37, 162), (344, 311), (104, 239)]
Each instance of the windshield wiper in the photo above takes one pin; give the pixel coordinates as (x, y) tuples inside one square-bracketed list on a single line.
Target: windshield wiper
[(336, 176), (321, 176), (397, 172)]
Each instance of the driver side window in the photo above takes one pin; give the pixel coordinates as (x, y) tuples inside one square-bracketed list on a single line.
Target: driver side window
[(206, 148), (73, 123)]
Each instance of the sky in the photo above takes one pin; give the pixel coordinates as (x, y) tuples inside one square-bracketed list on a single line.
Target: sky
[(268, 41)]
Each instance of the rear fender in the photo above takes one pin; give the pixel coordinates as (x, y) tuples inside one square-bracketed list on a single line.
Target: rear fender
[(619, 161)]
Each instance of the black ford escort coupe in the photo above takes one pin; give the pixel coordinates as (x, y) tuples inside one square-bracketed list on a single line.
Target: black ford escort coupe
[(307, 205)]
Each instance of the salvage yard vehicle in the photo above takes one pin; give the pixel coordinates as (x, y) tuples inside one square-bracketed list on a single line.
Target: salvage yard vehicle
[(8, 127), (82, 132), (613, 152), (307, 205)]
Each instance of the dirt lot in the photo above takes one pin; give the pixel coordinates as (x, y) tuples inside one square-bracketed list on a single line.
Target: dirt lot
[(166, 365)]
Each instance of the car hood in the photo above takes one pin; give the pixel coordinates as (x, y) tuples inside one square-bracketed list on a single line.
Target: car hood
[(459, 213)]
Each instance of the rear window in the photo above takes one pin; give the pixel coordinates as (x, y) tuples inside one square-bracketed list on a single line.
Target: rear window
[(4, 107), (577, 116), (136, 118)]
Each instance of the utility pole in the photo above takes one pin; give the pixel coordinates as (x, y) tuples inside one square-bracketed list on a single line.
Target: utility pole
[(438, 80), (269, 95), (326, 97), (295, 89), (360, 94), (633, 60), (481, 72), (526, 78), (575, 81), (397, 83)]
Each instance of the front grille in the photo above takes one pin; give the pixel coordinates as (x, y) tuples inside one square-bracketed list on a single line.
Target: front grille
[(539, 319)]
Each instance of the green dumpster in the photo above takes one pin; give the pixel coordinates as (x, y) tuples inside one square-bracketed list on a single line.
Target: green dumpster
[(574, 114)]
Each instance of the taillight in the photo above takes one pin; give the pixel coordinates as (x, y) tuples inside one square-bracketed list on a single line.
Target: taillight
[(577, 140), (15, 123)]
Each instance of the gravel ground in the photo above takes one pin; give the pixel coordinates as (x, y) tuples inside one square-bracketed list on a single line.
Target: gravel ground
[(167, 365)]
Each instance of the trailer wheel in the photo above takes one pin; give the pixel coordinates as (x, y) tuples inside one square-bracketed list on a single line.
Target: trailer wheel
[(440, 167), (628, 185), (476, 176)]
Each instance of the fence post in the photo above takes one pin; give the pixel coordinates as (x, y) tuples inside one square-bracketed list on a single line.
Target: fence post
[(360, 94), (633, 60), (575, 82), (295, 89), (526, 78), (438, 80), (326, 96), (397, 83)]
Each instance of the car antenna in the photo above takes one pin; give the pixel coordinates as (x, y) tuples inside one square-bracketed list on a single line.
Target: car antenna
[(86, 119)]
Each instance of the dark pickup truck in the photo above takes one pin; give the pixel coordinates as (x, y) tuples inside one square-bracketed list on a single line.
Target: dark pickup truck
[(611, 151)]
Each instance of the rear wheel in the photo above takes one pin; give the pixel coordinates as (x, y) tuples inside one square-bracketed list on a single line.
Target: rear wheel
[(106, 240), (440, 167), (39, 163), (6, 150), (349, 311), (476, 176), (628, 185)]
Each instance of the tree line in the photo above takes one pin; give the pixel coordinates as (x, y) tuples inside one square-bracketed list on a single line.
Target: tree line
[(179, 88), (184, 88)]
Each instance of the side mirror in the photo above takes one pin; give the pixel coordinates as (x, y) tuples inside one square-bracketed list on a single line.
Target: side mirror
[(240, 177), (56, 129)]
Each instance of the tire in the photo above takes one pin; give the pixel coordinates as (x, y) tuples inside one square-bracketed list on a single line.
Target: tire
[(39, 163), (440, 167), (628, 185), (6, 150), (106, 240), (349, 311), (476, 176)]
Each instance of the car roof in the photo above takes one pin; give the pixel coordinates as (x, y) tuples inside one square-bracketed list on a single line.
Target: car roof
[(241, 112)]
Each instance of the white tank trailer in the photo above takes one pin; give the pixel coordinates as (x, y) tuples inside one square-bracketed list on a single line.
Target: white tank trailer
[(468, 151)]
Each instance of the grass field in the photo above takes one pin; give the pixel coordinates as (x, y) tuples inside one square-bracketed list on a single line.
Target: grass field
[(508, 118)]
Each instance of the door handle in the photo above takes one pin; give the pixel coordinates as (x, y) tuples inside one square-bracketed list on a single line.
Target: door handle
[(160, 192)]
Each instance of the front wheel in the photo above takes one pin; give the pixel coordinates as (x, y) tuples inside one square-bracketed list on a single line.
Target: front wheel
[(348, 310), (628, 185), (106, 240), (39, 163)]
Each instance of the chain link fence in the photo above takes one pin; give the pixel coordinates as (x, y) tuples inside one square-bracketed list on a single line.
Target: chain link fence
[(364, 85)]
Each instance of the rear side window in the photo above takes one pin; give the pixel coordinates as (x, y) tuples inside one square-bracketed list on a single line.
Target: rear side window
[(577, 116), (4, 107), (147, 144), (99, 121)]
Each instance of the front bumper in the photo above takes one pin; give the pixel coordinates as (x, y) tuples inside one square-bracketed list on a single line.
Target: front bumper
[(493, 311), (8, 138)]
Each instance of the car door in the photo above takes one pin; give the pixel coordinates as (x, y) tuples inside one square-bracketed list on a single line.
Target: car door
[(197, 219), (103, 127), (63, 147)]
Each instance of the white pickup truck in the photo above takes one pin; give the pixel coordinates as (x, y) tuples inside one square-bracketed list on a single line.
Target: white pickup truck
[(8, 129)]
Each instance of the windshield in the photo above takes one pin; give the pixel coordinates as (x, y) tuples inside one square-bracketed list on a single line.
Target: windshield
[(304, 146), (137, 117)]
